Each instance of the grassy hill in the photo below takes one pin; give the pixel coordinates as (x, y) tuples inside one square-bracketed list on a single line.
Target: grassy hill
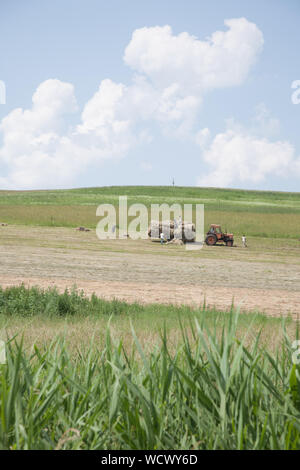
[(257, 213)]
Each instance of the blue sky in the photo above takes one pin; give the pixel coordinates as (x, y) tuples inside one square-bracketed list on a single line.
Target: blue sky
[(206, 109)]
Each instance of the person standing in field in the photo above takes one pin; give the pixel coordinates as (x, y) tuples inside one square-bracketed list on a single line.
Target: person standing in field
[(162, 238), (244, 241)]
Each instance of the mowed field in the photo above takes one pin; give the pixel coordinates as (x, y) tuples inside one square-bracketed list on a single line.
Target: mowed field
[(40, 246)]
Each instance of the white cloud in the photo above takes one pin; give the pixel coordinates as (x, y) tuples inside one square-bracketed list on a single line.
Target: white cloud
[(54, 97), (39, 153), (105, 125), (176, 71), (224, 59), (247, 154), (101, 110), (32, 142), (238, 158), (26, 129), (172, 74)]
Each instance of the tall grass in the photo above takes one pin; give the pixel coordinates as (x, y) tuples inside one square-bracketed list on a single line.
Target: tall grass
[(212, 392)]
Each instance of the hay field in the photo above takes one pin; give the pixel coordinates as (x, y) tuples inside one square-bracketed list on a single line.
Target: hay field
[(41, 246)]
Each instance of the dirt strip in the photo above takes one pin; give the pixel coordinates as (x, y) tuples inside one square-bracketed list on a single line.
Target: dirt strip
[(273, 302)]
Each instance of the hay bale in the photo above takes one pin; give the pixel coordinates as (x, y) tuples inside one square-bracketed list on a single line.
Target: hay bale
[(178, 233), (189, 232), (189, 225), (184, 231), (156, 228)]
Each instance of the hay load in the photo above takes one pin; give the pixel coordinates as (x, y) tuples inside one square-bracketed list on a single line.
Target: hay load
[(188, 232), (171, 229), (156, 228)]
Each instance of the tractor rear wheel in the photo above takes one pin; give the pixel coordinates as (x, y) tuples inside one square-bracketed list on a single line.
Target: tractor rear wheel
[(211, 239)]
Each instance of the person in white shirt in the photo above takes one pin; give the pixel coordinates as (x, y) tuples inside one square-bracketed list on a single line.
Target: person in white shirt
[(162, 238), (244, 241)]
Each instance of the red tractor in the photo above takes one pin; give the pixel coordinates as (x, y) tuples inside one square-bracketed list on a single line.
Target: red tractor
[(215, 235)]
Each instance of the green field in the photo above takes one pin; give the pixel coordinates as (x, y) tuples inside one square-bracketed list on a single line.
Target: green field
[(88, 373), (256, 213), (222, 385)]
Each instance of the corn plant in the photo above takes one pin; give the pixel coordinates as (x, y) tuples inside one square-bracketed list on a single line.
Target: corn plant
[(212, 392)]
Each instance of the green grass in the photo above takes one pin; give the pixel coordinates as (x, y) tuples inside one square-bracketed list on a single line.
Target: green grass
[(257, 213), (23, 302), (220, 387), (213, 392), (180, 378), (149, 193), (28, 302)]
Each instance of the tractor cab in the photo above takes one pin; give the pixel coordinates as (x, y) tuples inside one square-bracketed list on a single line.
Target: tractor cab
[(215, 228), (215, 235)]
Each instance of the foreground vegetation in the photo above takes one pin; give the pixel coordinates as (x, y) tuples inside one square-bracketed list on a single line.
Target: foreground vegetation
[(257, 213), (214, 390)]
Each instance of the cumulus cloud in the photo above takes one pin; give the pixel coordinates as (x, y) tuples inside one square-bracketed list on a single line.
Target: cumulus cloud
[(24, 129), (247, 154), (224, 59), (37, 149), (33, 149), (178, 70), (236, 158), (106, 100), (172, 73), (104, 124)]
